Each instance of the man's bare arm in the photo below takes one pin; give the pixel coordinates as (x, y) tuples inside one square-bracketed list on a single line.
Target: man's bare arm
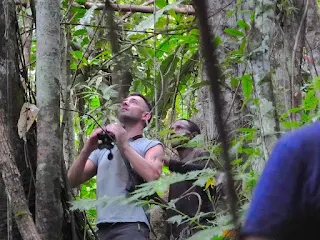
[(150, 167), (82, 169)]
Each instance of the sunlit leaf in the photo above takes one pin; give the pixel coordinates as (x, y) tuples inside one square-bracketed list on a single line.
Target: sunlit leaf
[(246, 82), (210, 183), (242, 24), (77, 54), (233, 32)]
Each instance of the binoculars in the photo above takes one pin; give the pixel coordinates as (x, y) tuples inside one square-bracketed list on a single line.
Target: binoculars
[(106, 141)]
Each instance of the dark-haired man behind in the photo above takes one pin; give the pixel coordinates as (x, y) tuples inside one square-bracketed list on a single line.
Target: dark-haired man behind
[(115, 221), (188, 194)]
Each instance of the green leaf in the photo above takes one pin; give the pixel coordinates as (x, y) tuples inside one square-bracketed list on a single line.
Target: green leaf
[(233, 32), (246, 82), (242, 24), (73, 66), (165, 170), (176, 219), (290, 125), (234, 82), (80, 32), (161, 3), (77, 54), (85, 41), (217, 41)]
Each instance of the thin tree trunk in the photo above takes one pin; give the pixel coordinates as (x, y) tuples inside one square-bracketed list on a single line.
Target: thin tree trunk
[(48, 188), (11, 177), (218, 20), (312, 55), (26, 37), (262, 75), (120, 74), (67, 100)]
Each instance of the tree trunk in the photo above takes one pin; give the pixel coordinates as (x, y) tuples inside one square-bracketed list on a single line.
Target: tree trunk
[(66, 100), (26, 37), (11, 177), (312, 54), (120, 73), (266, 118), (11, 101), (218, 20), (48, 188)]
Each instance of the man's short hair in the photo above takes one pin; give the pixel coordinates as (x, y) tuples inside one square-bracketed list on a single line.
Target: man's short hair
[(192, 126)]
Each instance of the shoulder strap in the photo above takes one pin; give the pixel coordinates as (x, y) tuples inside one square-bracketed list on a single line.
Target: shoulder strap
[(134, 178)]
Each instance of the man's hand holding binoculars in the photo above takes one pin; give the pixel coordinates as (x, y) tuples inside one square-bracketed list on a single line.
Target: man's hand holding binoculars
[(119, 133), (114, 131)]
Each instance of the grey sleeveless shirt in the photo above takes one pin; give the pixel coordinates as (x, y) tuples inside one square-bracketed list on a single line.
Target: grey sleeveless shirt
[(112, 179)]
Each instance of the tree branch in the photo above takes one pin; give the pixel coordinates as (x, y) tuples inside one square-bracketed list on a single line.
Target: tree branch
[(186, 9)]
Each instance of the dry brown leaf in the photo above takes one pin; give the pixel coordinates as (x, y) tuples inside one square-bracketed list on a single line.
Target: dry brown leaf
[(28, 115)]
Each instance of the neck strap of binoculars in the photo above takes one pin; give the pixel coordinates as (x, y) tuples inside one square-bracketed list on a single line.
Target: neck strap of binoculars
[(136, 137)]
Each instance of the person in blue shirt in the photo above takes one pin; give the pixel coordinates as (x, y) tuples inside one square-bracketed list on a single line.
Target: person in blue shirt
[(286, 199)]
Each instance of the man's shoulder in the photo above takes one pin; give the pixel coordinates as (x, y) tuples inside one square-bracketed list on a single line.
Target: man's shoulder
[(149, 141), (144, 144), (302, 135)]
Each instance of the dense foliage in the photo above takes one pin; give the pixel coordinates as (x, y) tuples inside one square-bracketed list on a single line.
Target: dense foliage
[(161, 51)]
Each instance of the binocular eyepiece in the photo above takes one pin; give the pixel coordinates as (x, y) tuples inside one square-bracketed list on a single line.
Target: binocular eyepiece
[(106, 141)]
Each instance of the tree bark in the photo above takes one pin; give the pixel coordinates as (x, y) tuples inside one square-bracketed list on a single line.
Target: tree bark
[(218, 20), (312, 56), (260, 70), (11, 101), (66, 100), (48, 188), (120, 74), (187, 9), (11, 177)]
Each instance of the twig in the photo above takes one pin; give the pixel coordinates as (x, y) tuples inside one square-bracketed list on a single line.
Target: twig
[(232, 104), (294, 52)]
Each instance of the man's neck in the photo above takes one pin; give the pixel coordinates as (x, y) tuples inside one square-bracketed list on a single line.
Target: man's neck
[(183, 152), (133, 130)]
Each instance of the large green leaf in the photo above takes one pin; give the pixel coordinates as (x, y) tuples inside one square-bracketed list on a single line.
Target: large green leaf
[(233, 32)]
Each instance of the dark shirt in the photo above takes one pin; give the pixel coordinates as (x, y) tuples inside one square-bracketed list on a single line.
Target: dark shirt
[(188, 204), (286, 200)]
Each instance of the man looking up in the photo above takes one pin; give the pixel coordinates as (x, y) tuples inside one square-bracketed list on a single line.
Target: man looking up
[(189, 159), (115, 221)]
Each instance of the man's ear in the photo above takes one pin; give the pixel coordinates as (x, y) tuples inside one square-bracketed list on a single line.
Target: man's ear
[(146, 116)]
